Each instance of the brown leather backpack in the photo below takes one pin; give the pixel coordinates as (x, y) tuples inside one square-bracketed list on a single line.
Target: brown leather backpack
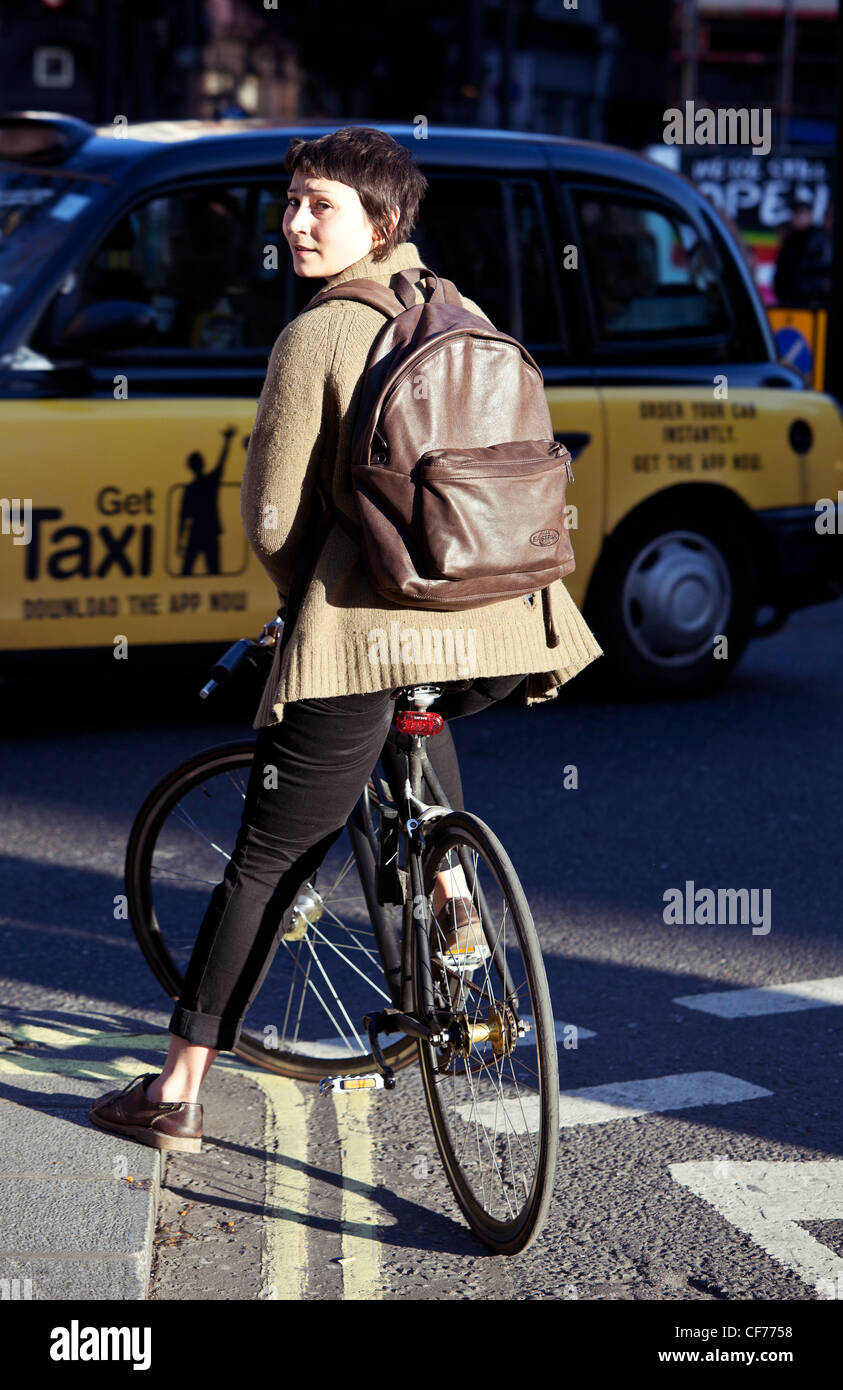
[(459, 481)]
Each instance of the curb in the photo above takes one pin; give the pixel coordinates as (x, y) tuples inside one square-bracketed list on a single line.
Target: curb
[(77, 1205)]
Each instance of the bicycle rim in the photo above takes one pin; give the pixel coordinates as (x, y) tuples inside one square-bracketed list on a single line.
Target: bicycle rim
[(306, 1021), (493, 1095)]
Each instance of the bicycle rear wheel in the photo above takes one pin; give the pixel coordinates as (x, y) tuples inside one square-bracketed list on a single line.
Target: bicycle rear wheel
[(306, 1021), (492, 1091)]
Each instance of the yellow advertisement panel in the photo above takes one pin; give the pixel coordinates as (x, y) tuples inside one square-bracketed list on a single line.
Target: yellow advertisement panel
[(772, 448), (123, 518)]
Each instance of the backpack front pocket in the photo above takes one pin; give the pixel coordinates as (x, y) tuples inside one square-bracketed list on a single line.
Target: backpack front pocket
[(495, 510)]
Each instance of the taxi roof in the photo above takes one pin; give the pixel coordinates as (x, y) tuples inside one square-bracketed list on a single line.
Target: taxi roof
[(143, 152)]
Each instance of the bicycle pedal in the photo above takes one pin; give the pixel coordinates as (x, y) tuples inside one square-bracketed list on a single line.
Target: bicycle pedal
[(366, 1081), (460, 961)]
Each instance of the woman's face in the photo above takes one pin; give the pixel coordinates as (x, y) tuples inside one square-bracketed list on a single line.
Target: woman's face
[(327, 219)]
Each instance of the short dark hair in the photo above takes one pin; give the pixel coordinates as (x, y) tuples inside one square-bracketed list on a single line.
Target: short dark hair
[(382, 173)]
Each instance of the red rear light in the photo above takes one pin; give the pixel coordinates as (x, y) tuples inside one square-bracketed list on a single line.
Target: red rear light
[(418, 722)]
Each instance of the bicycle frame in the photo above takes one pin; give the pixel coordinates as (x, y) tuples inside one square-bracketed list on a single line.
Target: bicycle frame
[(397, 961), (415, 935)]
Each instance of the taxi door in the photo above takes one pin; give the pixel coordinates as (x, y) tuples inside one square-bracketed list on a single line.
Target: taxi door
[(131, 458), (695, 444), (495, 235)]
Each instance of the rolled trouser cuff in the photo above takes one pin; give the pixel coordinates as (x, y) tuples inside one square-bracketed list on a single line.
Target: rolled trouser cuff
[(205, 1030)]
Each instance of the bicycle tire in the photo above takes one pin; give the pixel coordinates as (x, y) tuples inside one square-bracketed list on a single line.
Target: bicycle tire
[(461, 829), (161, 801)]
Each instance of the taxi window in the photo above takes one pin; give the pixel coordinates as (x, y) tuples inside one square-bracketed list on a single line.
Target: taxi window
[(651, 275), (39, 211), (202, 259), (462, 234), (540, 316), (466, 230)]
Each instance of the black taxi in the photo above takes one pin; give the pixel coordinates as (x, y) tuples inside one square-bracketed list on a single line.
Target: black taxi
[(144, 278)]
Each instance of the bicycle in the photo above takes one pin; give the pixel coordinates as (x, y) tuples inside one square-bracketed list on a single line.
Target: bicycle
[(362, 940)]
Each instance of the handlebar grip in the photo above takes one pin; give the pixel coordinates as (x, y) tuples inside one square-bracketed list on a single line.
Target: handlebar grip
[(244, 650), (228, 663)]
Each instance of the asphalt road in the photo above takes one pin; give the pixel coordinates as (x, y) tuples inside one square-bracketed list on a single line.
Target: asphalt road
[(739, 790)]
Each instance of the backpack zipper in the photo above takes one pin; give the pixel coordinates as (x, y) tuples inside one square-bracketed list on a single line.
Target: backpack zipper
[(491, 463)]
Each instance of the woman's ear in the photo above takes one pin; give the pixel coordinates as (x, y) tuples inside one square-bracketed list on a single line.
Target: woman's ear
[(377, 239)]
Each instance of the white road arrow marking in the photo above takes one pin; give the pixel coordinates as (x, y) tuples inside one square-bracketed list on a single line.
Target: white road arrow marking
[(622, 1100), (774, 999), (766, 1200)]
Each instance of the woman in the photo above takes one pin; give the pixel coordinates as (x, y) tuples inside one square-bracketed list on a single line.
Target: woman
[(353, 202)]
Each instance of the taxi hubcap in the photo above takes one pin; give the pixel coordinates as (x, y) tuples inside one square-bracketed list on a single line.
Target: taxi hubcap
[(676, 598)]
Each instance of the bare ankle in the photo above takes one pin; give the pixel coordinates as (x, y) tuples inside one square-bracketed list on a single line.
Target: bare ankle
[(165, 1092)]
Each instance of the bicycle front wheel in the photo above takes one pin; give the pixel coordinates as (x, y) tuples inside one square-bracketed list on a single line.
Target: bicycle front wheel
[(306, 1021), (493, 1089)]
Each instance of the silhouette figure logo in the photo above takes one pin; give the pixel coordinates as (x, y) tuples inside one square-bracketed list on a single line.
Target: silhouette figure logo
[(204, 535), (199, 527)]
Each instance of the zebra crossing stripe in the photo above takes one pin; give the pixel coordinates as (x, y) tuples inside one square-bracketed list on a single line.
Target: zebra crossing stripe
[(772, 999), (564, 1032), (768, 1201), (621, 1100)]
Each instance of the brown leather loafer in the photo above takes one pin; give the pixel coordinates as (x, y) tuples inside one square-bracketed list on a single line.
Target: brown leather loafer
[(175, 1124), (464, 938)]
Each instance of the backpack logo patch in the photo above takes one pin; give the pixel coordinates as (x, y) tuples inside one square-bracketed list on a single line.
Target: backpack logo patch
[(544, 538)]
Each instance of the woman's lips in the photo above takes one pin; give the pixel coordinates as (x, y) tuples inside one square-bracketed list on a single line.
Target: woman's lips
[(303, 250)]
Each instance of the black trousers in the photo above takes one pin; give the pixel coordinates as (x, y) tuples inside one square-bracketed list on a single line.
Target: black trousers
[(323, 752)]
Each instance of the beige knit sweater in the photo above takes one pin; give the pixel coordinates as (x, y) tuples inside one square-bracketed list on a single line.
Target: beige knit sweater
[(348, 639)]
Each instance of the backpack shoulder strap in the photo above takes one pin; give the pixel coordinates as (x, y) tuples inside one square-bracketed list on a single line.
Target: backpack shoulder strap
[(366, 292), (390, 302)]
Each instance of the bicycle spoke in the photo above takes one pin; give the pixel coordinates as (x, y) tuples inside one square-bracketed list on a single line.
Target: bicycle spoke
[(381, 992), (342, 1007), (316, 990), (189, 821)]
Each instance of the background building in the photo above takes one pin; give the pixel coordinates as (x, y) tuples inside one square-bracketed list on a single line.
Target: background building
[(595, 69)]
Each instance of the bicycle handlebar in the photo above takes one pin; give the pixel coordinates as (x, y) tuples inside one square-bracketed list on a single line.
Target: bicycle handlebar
[(241, 651), (244, 649)]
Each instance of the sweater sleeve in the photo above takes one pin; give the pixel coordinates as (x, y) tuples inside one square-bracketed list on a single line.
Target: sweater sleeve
[(285, 446)]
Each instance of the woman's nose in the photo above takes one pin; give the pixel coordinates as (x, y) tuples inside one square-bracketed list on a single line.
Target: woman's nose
[(299, 222)]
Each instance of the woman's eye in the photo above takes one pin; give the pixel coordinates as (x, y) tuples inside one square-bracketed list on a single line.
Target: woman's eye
[(291, 201)]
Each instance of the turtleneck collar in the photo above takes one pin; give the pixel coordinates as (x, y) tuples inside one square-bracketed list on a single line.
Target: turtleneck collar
[(401, 257)]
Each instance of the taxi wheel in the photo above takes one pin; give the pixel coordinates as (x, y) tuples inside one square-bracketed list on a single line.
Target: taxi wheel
[(670, 585)]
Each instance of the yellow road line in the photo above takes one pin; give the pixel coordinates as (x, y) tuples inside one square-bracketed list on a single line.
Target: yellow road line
[(360, 1215), (75, 1035), (284, 1252), (284, 1228), (20, 1063)]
